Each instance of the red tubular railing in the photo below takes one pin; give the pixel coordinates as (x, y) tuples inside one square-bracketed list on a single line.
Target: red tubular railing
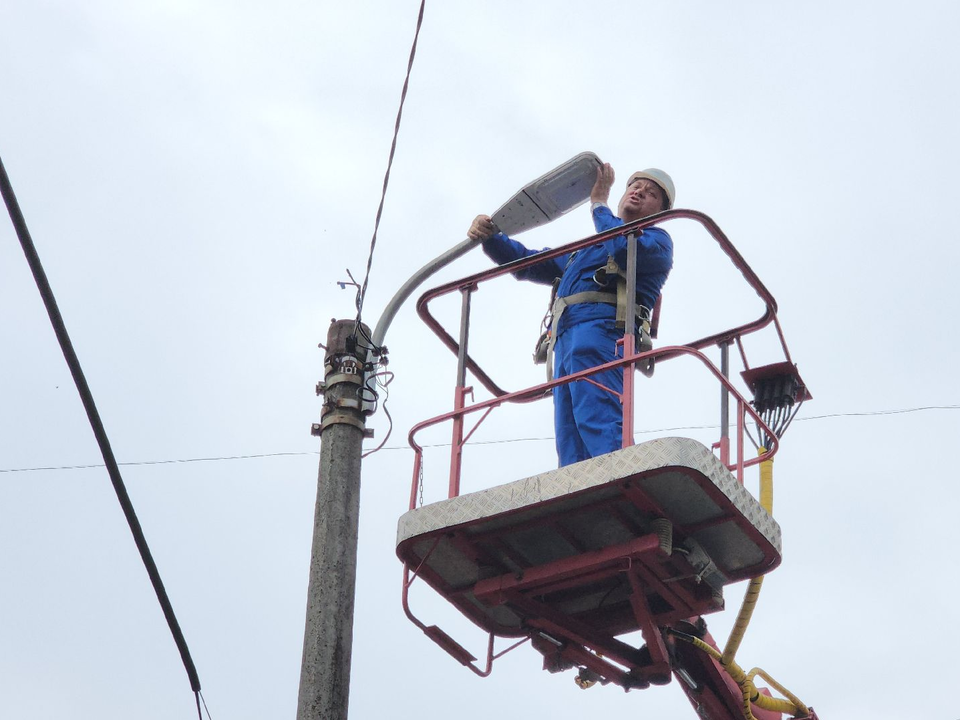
[(539, 391), (708, 224), (451, 646), (466, 285), (461, 411)]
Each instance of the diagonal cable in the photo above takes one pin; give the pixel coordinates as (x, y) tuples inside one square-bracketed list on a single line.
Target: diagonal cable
[(361, 294), (66, 346)]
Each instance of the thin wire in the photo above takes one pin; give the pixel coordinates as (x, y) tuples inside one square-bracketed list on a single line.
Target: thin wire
[(361, 333), (205, 708), (93, 415), (792, 416), (158, 462), (361, 295), (383, 379), (473, 442), (880, 412)]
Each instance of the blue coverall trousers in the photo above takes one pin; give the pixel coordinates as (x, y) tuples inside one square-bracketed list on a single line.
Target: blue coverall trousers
[(588, 419)]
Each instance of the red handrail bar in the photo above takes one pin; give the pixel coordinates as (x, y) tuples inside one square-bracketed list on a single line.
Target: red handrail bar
[(770, 314), (537, 392)]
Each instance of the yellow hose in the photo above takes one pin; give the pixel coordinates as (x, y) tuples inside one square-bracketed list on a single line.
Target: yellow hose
[(747, 710), (751, 694), (766, 483), (792, 706), (803, 709), (776, 704), (753, 589), (743, 619)]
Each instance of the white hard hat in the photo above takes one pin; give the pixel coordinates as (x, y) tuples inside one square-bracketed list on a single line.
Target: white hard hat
[(660, 178)]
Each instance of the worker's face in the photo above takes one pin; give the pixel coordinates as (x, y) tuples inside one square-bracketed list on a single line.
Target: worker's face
[(642, 198)]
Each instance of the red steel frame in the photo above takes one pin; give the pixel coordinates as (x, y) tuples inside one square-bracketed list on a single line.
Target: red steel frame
[(732, 335), (468, 285), (721, 693), (537, 392)]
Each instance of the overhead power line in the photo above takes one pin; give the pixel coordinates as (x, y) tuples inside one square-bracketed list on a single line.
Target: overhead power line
[(502, 441), (362, 290), (93, 415)]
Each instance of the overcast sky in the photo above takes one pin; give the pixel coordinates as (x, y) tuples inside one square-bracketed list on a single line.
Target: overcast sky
[(198, 175)]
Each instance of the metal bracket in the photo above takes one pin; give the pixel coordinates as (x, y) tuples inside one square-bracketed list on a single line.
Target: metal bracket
[(336, 418), (349, 403), (343, 377)]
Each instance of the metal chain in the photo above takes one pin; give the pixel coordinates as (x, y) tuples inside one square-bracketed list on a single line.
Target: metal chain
[(421, 481)]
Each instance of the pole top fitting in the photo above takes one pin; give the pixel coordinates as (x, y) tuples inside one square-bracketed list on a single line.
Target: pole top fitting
[(343, 336)]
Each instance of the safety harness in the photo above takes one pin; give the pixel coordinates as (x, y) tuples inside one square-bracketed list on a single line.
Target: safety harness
[(543, 354)]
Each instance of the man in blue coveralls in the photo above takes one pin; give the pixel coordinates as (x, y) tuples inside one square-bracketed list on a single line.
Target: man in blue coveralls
[(589, 419)]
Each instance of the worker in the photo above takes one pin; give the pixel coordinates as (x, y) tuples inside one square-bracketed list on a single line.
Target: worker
[(589, 419)]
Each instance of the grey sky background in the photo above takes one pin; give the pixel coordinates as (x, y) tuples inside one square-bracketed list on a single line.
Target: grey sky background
[(197, 176)]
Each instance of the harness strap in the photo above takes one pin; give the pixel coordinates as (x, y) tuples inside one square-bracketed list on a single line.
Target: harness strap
[(588, 296), (612, 271), (644, 341), (594, 296), (561, 304)]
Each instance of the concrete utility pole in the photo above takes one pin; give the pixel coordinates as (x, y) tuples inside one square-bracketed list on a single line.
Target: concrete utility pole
[(328, 635)]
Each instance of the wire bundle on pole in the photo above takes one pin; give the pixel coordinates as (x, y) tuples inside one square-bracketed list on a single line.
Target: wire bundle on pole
[(362, 289), (361, 338)]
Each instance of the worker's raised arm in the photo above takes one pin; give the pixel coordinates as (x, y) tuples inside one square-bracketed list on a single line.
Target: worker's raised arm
[(481, 228), (502, 249), (601, 188)]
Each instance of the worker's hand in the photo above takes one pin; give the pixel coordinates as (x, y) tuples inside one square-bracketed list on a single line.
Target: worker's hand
[(481, 228), (601, 188)]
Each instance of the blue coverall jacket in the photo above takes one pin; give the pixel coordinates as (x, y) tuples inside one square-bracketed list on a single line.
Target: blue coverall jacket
[(588, 419)]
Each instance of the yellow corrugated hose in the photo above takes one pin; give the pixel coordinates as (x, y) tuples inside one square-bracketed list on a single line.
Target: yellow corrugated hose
[(792, 706), (753, 589)]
